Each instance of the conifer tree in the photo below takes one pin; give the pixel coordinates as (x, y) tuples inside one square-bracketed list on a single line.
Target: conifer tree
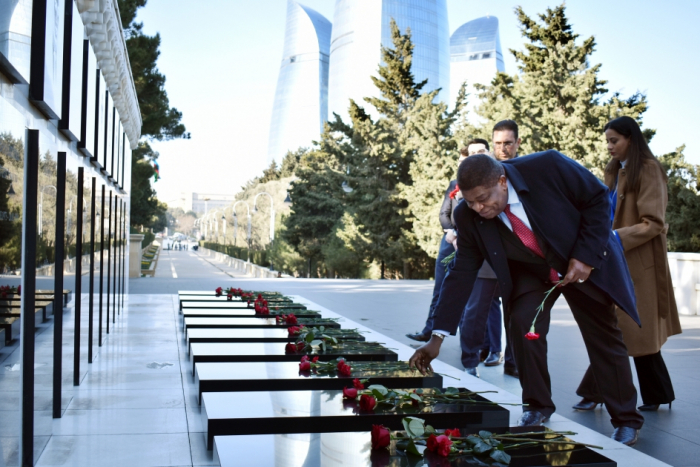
[(557, 98), (683, 209)]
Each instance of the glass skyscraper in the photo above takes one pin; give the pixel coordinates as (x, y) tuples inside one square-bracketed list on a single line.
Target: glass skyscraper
[(475, 56), (301, 99), (361, 27)]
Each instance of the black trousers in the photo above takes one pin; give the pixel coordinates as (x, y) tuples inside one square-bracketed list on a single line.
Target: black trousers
[(654, 381), (603, 339)]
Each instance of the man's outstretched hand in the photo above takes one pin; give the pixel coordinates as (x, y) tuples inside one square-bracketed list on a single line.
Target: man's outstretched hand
[(425, 354)]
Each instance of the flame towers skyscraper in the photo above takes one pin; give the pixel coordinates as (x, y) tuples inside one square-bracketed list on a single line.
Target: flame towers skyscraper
[(361, 27), (301, 99)]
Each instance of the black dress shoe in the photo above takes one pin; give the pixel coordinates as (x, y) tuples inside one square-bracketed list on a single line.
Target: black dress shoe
[(483, 354), (510, 370), (420, 337), (532, 418), (472, 371), (652, 407), (494, 359), (625, 435), (586, 404)]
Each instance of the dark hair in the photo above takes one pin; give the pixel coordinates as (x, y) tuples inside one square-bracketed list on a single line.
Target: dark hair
[(506, 125), (478, 141), (637, 153), (479, 170)]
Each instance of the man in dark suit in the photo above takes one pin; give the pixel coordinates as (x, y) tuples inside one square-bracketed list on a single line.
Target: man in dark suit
[(538, 220)]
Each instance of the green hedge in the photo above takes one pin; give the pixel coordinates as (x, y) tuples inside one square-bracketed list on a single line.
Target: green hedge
[(259, 257)]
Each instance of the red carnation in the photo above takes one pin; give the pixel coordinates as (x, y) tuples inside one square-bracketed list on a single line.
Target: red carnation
[(380, 437), (229, 297), (358, 385), (289, 348), (532, 336), (19, 290), (346, 370), (443, 445), (349, 393), (305, 358), (300, 346), (264, 311), (294, 330), (315, 359), (453, 433), (291, 319), (304, 365), (367, 403), (432, 443), (218, 291), (454, 192)]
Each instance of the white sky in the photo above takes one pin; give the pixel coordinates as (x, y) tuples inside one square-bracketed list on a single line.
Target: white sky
[(221, 59)]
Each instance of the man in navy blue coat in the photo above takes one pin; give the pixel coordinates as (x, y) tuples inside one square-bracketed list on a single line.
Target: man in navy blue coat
[(539, 219)]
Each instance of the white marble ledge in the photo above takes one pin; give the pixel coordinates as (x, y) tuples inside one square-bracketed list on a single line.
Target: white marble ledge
[(623, 455)]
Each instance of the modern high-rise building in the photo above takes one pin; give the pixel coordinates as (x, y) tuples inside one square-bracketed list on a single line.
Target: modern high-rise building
[(361, 27), (301, 100), (475, 56)]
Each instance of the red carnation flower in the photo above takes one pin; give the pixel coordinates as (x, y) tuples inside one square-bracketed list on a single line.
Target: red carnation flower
[(453, 433), (218, 291), (300, 346), (454, 192), (532, 336), (229, 297), (315, 359), (290, 348), (305, 358), (291, 319), (367, 403), (432, 443), (380, 437), (345, 370), (444, 443), (304, 366), (349, 393), (358, 385)]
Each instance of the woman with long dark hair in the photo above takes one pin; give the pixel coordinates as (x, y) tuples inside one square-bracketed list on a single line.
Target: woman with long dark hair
[(638, 195)]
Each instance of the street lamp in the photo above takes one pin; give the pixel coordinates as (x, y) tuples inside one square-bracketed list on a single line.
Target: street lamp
[(235, 224), (41, 205)]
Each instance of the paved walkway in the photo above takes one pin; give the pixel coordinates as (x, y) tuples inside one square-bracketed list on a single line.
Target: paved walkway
[(395, 308)]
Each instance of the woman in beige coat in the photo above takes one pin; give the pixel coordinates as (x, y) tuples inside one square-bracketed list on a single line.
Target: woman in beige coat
[(638, 186)]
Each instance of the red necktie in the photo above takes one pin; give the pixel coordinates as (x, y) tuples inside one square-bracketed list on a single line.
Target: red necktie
[(528, 238)]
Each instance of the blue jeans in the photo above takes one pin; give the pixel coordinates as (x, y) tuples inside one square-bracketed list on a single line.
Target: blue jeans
[(482, 318), (446, 249)]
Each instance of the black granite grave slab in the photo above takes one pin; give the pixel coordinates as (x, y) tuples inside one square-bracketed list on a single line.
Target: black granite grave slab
[(275, 352), (267, 294), (258, 335), (224, 298), (238, 413), (239, 305), (2, 337), (285, 376), (264, 323), (239, 313), (355, 449), (11, 326)]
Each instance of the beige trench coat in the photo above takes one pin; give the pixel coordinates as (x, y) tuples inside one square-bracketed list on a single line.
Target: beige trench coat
[(640, 222)]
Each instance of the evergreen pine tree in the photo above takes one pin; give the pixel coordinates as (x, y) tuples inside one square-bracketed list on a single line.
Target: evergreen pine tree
[(556, 100)]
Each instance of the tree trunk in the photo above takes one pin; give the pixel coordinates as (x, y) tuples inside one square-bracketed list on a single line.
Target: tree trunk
[(308, 275), (382, 275), (406, 270)]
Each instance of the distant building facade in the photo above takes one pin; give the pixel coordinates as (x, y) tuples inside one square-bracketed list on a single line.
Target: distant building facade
[(301, 100), (201, 203), (475, 56), (361, 27)]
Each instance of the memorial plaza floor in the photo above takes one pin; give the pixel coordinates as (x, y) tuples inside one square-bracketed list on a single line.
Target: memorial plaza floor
[(137, 402)]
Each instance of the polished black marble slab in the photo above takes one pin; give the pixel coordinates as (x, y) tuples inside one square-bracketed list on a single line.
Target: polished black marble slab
[(239, 313), (275, 352), (265, 323), (355, 449), (11, 327), (238, 305), (238, 413), (266, 294), (257, 335), (235, 301), (2, 337), (285, 376)]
